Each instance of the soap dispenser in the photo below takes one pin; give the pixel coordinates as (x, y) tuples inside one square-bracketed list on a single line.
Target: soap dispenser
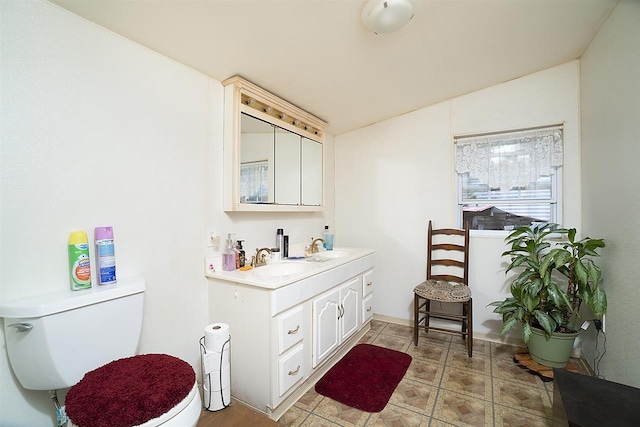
[(229, 255), (241, 254)]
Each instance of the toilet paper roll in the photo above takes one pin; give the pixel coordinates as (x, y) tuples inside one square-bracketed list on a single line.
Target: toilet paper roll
[(215, 336), (212, 361), (216, 382), (217, 400)]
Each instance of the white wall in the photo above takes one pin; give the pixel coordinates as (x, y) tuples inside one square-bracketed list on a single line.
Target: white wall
[(99, 131), (610, 106), (396, 175)]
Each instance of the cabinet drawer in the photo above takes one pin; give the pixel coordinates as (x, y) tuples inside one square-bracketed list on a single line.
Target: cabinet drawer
[(367, 308), (290, 329), (367, 283), (290, 369)]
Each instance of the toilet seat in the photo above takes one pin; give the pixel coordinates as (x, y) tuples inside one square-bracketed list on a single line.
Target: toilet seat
[(184, 414), (144, 390)]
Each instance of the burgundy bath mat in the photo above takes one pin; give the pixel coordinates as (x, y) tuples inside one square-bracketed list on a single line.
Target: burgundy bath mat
[(365, 377)]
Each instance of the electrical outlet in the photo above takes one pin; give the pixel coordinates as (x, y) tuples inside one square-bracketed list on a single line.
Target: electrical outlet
[(603, 323), (213, 240)]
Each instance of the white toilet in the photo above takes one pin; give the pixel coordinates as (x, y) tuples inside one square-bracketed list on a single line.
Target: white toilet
[(54, 340)]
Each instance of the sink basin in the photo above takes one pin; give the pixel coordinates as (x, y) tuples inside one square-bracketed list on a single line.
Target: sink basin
[(282, 269), (333, 254)]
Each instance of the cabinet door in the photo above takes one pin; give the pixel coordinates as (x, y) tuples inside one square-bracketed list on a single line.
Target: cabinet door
[(312, 172), (350, 307), (287, 168), (326, 335)]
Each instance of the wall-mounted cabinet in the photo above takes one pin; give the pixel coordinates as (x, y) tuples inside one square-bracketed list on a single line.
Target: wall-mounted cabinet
[(273, 152)]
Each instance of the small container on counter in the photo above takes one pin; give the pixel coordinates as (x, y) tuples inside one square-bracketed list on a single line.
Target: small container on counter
[(242, 259), (328, 239), (280, 239), (229, 255)]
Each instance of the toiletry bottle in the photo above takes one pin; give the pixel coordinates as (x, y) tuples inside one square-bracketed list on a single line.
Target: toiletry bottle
[(328, 239), (280, 239), (229, 255), (79, 263), (241, 253), (105, 255), (285, 247)]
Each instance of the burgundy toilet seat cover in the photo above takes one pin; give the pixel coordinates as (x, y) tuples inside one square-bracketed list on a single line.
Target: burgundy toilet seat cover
[(129, 391)]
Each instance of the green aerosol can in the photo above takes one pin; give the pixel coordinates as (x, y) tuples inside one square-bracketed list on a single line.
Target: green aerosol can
[(79, 263)]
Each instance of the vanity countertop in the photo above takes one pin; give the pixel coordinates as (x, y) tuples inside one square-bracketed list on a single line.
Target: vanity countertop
[(277, 274)]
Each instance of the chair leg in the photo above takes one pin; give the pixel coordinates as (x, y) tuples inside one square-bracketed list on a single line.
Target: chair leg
[(427, 307), (416, 304), (470, 326), (465, 310)]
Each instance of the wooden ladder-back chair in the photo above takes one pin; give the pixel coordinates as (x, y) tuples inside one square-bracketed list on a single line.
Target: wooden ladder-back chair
[(442, 285)]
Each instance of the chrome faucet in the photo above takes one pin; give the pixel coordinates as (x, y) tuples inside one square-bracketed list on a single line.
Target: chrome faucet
[(313, 247), (259, 259)]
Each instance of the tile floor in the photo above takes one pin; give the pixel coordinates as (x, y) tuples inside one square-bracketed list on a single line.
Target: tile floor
[(442, 387)]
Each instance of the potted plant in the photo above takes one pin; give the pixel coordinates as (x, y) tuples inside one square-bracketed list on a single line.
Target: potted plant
[(547, 295)]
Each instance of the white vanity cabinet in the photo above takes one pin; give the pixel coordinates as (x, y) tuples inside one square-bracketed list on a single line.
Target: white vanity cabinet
[(335, 318), (285, 336)]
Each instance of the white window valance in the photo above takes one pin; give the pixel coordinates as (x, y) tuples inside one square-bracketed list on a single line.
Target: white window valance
[(510, 159)]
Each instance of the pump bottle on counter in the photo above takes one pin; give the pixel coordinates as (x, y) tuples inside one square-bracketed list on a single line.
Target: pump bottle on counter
[(229, 255), (241, 254)]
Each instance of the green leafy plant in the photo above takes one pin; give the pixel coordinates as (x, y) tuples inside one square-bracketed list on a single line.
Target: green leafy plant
[(538, 299)]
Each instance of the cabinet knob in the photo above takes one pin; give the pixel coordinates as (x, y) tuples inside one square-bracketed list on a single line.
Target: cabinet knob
[(294, 331), (369, 283), (368, 308), (292, 373)]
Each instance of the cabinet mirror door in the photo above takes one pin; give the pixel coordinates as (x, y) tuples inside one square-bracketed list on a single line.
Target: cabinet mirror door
[(257, 163), (287, 167), (311, 172)]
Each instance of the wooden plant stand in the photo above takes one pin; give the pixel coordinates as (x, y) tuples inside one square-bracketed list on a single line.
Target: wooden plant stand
[(524, 360)]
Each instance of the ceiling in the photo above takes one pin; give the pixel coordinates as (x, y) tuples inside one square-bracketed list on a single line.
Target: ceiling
[(317, 55)]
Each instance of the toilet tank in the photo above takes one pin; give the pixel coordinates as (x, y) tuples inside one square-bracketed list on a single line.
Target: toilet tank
[(52, 340)]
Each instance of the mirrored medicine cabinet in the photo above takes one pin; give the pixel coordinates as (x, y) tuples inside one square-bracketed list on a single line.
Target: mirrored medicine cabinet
[(273, 152)]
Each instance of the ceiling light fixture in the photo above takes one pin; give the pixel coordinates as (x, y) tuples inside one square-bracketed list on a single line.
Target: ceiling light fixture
[(387, 16)]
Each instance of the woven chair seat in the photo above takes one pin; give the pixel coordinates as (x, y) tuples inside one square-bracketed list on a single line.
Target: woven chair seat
[(439, 290)]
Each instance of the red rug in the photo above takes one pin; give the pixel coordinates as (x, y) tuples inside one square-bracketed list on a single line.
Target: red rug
[(365, 377)]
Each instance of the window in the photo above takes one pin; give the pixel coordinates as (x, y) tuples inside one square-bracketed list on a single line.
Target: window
[(508, 179)]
